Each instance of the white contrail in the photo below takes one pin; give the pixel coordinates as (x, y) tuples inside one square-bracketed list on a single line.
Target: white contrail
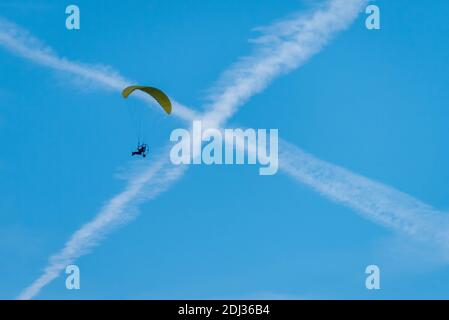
[(22, 43), (375, 201), (283, 47), (145, 185)]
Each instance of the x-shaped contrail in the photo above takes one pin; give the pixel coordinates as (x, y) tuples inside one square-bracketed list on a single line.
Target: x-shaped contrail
[(283, 46)]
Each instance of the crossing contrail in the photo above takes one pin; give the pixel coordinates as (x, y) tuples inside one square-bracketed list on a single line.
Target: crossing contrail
[(283, 47)]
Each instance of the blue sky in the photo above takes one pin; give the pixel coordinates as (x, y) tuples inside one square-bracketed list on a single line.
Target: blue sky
[(372, 102)]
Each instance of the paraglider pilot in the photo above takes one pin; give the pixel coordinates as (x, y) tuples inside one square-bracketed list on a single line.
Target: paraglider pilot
[(141, 151)]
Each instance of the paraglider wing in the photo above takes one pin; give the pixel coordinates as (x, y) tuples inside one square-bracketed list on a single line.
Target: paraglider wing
[(157, 94)]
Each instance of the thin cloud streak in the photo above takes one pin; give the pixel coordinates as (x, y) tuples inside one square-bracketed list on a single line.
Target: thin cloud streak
[(21, 43), (283, 46), (375, 201), (123, 207)]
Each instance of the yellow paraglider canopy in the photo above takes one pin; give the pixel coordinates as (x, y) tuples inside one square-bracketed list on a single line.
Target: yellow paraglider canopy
[(157, 94)]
